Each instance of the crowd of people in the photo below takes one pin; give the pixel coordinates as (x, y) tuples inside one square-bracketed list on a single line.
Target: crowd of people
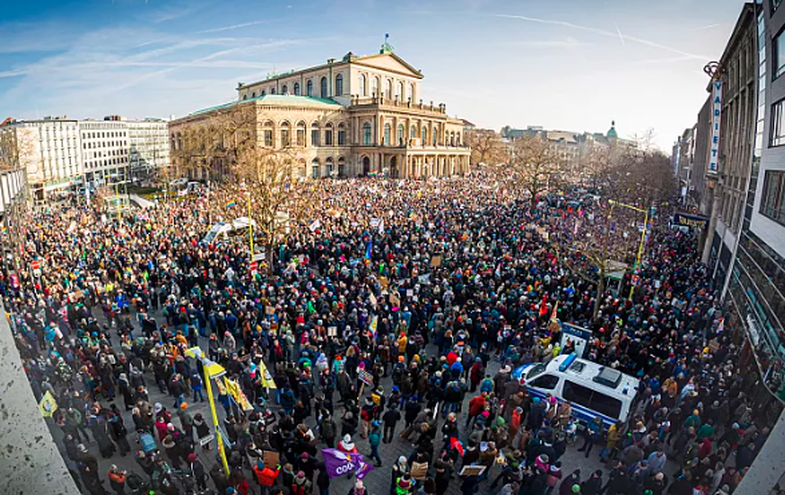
[(433, 291)]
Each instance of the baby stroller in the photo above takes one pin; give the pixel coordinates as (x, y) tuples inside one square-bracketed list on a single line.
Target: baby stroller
[(136, 485), (147, 442)]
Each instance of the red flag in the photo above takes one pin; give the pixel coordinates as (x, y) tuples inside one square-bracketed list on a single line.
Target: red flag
[(457, 445)]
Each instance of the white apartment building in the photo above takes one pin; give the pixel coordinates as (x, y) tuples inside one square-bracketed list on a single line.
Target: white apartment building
[(148, 144), (62, 154), (105, 151)]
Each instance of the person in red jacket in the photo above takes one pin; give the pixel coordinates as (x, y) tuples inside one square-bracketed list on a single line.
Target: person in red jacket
[(476, 407), (265, 476)]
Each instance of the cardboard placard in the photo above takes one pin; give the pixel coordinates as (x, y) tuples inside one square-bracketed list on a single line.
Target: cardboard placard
[(270, 310), (472, 470), (419, 470), (271, 459), (394, 299), (332, 331), (436, 260)]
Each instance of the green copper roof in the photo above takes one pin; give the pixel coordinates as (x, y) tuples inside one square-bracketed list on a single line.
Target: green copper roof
[(282, 99), (612, 131)]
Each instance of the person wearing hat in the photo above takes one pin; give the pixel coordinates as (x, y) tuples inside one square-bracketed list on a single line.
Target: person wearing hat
[(358, 489), (265, 476), (197, 470), (301, 485), (186, 421), (375, 439), (117, 480), (346, 445)]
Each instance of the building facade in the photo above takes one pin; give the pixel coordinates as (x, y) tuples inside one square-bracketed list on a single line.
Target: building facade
[(148, 147), (737, 129), (64, 155), (353, 117)]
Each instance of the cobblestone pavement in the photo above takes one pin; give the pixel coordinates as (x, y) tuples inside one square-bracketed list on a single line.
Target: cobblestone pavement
[(377, 482)]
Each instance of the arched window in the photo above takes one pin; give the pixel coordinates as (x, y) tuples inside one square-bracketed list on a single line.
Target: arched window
[(424, 135), (401, 135), (328, 172), (375, 86), (285, 139), (341, 134), (297, 89), (399, 91), (413, 132), (387, 134), (300, 137), (341, 167), (411, 92), (245, 97), (314, 134), (309, 87), (457, 139), (323, 88), (285, 90), (367, 134), (262, 93), (253, 95), (267, 133), (388, 89), (328, 135), (315, 168), (302, 170), (435, 134), (339, 85), (363, 89), (272, 90)]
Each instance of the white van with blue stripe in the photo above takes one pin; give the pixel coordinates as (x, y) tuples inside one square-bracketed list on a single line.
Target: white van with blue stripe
[(592, 389)]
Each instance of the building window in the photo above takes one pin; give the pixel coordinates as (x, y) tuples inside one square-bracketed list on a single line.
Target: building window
[(285, 135), (399, 91), (253, 95), (285, 90), (341, 134), (412, 131), (400, 134), (300, 134), (411, 92), (435, 134), (778, 123), (328, 135), (314, 134), (315, 168), (341, 167), (297, 89), (329, 167), (388, 89), (245, 97), (772, 202), (272, 90), (424, 135), (363, 89), (774, 5), (779, 54), (309, 87), (323, 88), (367, 134), (268, 138), (339, 85), (387, 134), (375, 86)]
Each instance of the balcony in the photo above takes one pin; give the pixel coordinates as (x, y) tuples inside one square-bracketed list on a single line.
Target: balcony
[(394, 103)]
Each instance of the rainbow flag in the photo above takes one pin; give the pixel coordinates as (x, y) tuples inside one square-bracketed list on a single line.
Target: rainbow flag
[(230, 204), (5, 229)]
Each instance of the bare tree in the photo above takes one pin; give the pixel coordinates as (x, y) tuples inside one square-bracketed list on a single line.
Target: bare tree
[(267, 174), (16, 148), (593, 244), (487, 147), (534, 163)]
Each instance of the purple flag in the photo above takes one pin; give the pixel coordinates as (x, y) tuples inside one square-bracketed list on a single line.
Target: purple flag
[(339, 463)]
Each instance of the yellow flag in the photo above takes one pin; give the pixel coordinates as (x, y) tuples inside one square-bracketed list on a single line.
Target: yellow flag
[(267, 380), (47, 405)]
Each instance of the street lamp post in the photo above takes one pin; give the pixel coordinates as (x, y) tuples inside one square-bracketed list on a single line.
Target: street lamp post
[(643, 234)]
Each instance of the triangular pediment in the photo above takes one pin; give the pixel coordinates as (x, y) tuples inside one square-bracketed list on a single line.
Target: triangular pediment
[(390, 62)]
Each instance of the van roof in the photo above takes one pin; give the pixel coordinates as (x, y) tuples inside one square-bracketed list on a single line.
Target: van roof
[(613, 381)]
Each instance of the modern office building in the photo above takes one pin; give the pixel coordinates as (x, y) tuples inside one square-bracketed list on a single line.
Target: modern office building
[(148, 147), (349, 117), (63, 155)]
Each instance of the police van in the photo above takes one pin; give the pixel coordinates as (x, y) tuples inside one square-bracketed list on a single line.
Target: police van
[(592, 389)]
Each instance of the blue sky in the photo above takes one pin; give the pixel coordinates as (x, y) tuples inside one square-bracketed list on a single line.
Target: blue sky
[(562, 64)]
